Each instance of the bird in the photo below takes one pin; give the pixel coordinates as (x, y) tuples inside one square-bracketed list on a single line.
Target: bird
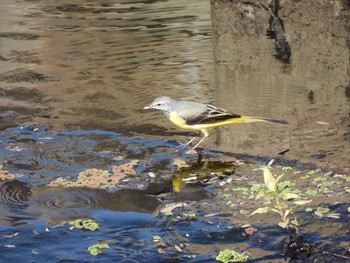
[(200, 117)]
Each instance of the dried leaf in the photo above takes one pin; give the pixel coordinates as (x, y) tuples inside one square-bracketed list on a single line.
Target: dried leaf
[(284, 224), (302, 202), (171, 207), (250, 230), (178, 248), (243, 212), (161, 251), (180, 163), (118, 158), (318, 214), (261, 210), (191, 152), (286, 213), (9, 235), (289, 196), (10, 246), (125, 169), (333, 215)]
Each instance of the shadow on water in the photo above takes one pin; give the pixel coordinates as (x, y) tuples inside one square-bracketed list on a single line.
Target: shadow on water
[(21, 204), (277, 31)]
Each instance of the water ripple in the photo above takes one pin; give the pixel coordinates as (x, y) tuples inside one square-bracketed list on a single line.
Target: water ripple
[(14, 194)]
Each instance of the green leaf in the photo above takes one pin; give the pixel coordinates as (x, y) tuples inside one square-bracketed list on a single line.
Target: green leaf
[(191, 215), (260, 194), (325, 190), (295, 222), (251, 197), (311, 192), (227, 196), (308, 209), (240, 189), (229, 255), (320, 179), (85, 223), (269, 180), (313, 172), (279, 178), (347, 190), (97, 249), (255, 187), (284, 184), (327, 183), (286, 168), (284, 192), (322, 210), (296, 191), (156, 238)]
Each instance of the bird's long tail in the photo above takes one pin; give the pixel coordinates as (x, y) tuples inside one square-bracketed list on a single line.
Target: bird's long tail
[(255, 119)]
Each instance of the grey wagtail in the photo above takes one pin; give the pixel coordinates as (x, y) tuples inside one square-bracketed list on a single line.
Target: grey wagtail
[(194, 116)]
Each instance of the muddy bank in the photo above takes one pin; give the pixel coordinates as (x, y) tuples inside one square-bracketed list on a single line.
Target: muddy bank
[(295, 56)]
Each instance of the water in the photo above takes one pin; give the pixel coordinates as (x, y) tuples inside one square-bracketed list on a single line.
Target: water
[(74, 78)]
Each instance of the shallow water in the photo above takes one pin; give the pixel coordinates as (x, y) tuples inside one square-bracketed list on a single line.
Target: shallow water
[(95, 66), (74, 79)]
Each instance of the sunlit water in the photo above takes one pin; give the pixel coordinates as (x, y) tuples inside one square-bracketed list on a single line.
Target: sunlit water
[(74, 78)]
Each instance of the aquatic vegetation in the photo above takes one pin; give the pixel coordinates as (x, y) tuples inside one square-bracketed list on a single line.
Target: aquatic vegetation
[(97, 249), (229, 255), (156, 238), (85, 223), (96, 178), (6, 175)]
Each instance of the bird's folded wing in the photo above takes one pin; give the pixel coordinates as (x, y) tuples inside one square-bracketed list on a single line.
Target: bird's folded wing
[(210, 115)]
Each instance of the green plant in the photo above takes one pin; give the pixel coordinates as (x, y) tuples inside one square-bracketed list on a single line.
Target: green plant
[(97, 249), (85, 223), (281, 193), (229, 255)]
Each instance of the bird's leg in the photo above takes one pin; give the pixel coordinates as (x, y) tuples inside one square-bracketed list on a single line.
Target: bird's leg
[(190, 141), (206, 134)]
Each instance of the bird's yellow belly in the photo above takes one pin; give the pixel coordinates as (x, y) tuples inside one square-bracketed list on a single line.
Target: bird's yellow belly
[(180, 122)]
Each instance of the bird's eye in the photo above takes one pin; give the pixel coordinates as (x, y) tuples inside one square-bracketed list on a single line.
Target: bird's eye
[(158, 104)]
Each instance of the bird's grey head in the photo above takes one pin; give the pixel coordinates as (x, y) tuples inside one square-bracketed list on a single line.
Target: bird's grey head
[(163, 103)]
